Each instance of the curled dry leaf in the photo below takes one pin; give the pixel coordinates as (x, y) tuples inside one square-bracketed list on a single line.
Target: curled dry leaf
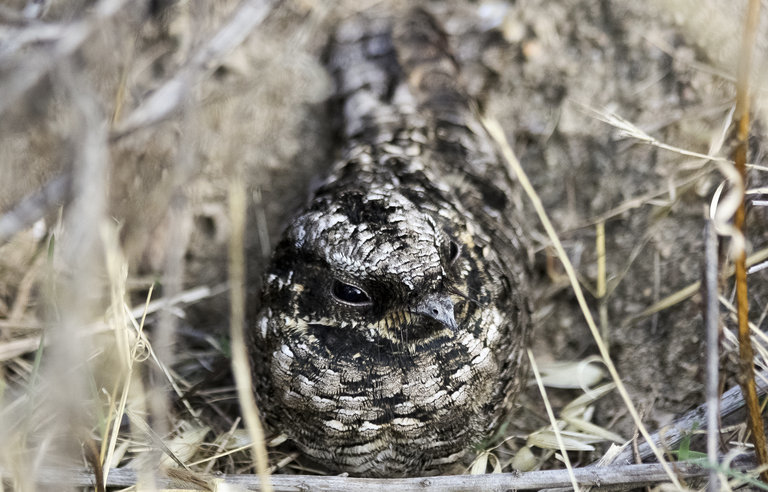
[(579, 404), (572, 375), (524, 460), (572, 441)]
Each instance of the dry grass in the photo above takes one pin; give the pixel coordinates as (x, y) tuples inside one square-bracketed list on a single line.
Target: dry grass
[(143, 162)]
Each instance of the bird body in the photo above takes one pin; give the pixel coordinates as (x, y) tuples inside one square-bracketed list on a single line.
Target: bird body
[(395, 310)]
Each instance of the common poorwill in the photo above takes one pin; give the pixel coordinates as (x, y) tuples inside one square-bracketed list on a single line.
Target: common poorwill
[(395, 310)]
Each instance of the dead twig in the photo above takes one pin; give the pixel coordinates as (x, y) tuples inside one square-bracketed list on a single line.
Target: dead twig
[(746, 353), (34, 207), (687, 291), (169, 97), (67, 41), (712, 324), (14, 348), (617, 477)]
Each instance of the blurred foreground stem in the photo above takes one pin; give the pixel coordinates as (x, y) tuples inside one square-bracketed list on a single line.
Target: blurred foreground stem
[(746, 354)]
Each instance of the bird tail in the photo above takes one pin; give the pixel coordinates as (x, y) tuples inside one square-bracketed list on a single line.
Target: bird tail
[(372, 58), (432, 73)]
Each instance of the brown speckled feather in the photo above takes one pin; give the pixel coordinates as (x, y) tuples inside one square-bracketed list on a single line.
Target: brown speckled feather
[(395, 310)]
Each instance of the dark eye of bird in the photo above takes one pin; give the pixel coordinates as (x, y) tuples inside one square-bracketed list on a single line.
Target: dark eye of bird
[(453, 252), (349, 293)]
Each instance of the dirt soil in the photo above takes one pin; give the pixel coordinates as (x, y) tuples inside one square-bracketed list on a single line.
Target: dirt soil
[(549, 71)]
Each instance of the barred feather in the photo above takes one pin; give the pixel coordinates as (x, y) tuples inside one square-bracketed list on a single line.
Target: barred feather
[(395, 310)]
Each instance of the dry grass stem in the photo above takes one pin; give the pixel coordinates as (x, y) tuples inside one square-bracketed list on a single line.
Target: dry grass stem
[(746, 353), (688, 291), (601, 282), (553, 421), (170, 96), (627, 129), (516, 170), (641, 200), (712, 326), (67, 39), (128, 347), (240, 366)]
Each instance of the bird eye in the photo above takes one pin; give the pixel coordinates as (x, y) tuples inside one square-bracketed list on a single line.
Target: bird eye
[(453, 252), (349, 293)]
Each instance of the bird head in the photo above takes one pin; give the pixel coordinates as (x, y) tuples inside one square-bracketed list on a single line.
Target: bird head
[(372, 266)]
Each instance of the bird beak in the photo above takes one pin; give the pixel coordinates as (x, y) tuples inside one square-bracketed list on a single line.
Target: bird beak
[(440, 308)]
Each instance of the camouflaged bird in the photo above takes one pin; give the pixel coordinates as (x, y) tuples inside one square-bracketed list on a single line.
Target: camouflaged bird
[(395, 310)]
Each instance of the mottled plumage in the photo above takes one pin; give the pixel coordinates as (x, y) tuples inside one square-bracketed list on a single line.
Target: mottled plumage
[(395, 310)]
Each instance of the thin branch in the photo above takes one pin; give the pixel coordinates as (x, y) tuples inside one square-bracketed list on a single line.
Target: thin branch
[(240, 366), (712, 324), (42, 61), (617, 477), (687, 291), (35, 206), (164, 101)]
